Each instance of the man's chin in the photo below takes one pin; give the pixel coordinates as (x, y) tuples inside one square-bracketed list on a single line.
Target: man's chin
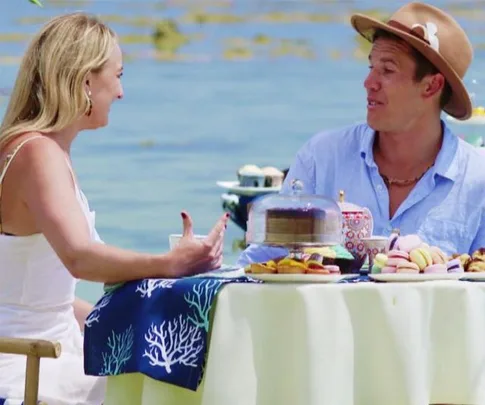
[(374, 124)]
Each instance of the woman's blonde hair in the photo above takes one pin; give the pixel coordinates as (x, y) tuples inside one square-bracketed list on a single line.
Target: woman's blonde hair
[(49, 93)]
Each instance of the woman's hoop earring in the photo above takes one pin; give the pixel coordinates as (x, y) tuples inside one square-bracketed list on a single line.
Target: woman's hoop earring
[(90, 109)]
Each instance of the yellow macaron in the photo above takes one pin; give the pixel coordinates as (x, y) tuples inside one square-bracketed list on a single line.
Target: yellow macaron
[(421, 257)]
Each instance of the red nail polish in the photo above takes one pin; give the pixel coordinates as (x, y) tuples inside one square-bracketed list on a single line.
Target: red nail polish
[(184, 215), (227, 215)]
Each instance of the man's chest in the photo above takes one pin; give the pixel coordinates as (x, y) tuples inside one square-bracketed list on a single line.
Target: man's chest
[(437, 211)]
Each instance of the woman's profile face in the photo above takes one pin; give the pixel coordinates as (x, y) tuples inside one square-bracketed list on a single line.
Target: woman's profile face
[(105, 87)]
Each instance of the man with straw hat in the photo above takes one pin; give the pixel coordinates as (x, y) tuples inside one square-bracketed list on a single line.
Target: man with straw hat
[(404, 163)]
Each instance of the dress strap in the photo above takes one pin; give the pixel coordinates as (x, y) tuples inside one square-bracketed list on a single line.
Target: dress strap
[(8, 160)]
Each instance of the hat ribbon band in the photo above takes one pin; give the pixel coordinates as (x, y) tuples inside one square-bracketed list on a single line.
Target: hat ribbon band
[(426, 33)]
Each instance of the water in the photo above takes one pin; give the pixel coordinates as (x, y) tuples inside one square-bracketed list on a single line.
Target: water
[(184, 125)]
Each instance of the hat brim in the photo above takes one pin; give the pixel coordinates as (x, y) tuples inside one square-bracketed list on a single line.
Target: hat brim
[(460, 105)]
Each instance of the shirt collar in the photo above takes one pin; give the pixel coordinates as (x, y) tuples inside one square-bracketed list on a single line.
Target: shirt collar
[(446, 164)]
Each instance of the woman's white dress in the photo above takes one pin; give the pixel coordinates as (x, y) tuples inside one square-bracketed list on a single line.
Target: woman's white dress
[(36, 298)]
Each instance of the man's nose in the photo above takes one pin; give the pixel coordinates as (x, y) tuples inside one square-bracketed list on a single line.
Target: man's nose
[(371, 82)]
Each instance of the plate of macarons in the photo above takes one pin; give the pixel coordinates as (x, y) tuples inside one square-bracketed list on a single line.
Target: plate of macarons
[(409, 258)]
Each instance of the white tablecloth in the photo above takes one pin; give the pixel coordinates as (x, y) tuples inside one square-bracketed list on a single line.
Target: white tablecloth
[(339, 344)]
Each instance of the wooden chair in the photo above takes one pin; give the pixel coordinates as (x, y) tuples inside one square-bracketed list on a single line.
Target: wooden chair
[(34, 350)]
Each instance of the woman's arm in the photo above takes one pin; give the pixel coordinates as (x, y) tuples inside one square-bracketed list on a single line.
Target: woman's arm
[(81, 311), (46, 186)]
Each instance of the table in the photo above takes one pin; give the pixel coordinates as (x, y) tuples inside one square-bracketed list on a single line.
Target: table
[(329, 344)]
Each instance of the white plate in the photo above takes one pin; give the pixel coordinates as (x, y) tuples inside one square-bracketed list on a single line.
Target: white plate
[(474, 275), (234, 187), (299, 278), (406, 277)]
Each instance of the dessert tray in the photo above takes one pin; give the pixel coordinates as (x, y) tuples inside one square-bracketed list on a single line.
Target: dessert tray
[(299, 278), (236, 188), (407, 277)]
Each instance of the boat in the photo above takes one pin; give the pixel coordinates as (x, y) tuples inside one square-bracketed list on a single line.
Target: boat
[(236, 200)]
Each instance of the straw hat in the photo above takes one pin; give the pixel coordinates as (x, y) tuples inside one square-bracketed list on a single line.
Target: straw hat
[(438, 37)]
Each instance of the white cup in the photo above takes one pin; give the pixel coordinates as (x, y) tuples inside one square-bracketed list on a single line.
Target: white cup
[(174, 239)]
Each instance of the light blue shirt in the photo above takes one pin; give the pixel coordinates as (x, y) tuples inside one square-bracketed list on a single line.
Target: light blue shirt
[(446, 208)]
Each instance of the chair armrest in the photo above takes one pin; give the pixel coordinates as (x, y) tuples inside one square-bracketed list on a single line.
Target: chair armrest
[(30, 347)]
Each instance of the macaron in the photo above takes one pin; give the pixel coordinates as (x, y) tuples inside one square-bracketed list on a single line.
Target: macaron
[(392, 242), (376, 269), (380, 260), (454, 266), (409, 242), (421, 257), (438, 256), (436, 268), (395, 256), (407, 267), (333, 269), (388, 269)]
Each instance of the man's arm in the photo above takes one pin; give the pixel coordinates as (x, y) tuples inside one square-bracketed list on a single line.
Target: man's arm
[(479, 241)]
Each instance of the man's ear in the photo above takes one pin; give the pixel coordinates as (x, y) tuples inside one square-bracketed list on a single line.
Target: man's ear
[(433, 84)]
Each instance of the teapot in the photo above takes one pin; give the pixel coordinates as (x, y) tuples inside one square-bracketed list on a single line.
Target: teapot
[(357, 225)]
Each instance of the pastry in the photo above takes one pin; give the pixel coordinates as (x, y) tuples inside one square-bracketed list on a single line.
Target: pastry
[(464, 259), (333, 269), (388, 269), (438, 256), (380, 261), (476, 266), (479, 254), (292, 266), (321, 271), (436, 268), (407, 267), (421, 257), (454, 266), (394, 257), (409, 242), (261, 268)]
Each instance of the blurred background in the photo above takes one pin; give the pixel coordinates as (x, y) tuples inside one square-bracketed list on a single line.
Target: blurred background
[(211, 85)]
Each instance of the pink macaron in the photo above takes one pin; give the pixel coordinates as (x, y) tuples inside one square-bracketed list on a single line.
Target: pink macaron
[(394, 257), (388, 269), (436, 269), (409, 242), (333, 269)]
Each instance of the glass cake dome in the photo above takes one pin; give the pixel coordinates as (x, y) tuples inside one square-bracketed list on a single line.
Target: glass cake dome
[(294, 220)]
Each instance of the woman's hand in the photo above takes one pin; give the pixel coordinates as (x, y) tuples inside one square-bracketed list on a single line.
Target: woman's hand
[(192, 256)]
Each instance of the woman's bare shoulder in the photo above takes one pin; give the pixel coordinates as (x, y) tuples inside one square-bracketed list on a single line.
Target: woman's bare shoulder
[(38, 156), (32, 146)]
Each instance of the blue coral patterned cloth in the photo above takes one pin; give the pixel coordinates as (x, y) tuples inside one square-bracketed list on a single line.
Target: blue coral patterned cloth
[(157, 327)]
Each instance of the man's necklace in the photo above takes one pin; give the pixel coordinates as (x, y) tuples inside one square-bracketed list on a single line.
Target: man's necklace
[(390, 181)]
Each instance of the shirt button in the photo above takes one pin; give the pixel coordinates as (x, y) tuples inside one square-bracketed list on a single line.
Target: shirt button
[(379, 187)]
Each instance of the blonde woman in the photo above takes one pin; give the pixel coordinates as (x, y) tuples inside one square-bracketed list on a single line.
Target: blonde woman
[(67, 81)]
